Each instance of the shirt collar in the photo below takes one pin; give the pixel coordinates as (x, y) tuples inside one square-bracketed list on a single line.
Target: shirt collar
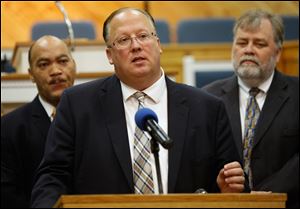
[(47, 106), (264, 87), (153, 92)]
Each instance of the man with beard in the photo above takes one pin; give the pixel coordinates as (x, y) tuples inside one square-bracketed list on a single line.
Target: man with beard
[(268, 138), (24, 131)]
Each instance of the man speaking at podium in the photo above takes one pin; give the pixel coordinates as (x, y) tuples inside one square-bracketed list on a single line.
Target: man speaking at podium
[(94, 147)]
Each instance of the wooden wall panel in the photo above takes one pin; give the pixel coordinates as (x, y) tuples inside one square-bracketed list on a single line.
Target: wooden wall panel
[(177, 10), (17, 17)]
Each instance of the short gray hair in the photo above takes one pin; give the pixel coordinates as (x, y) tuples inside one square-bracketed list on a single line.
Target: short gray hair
[(252, 19)]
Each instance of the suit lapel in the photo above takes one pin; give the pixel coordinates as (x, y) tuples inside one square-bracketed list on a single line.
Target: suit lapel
[(113, 109), (231, 99), (40, 118), (275, 99), (177, 122)]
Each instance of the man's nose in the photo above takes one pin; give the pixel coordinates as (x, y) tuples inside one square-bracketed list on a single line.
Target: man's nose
[(55, 69), (249, 49), (135, 43)]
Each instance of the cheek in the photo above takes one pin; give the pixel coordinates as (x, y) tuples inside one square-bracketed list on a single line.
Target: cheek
[(235, 54), (238, 50), (41, 80), (120, 58), (71, 74), (264, 57)]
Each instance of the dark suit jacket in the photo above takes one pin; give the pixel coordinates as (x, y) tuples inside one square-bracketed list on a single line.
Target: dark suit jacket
[(275, 154), (23, 135), (88, 152)]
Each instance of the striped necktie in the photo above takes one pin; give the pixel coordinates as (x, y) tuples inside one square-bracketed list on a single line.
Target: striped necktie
[(251, 118), (142, 171)]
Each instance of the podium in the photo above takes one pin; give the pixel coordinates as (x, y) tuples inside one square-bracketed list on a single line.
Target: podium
[(232, 200)]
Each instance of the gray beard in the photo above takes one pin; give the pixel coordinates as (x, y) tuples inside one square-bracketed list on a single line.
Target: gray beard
[(249, 72), (255, 74)]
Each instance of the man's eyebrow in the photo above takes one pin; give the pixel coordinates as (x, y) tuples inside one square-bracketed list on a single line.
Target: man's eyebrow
[(42, 59), (47, 59), (260, 39), (62, 56)]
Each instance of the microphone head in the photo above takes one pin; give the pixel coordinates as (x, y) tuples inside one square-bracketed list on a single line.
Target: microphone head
[(142, 115)]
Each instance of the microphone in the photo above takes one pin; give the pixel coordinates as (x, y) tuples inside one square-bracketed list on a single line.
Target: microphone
[(147, 120), (68, 23), (201, 191)]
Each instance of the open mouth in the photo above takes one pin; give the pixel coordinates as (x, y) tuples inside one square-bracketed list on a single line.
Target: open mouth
[(138, 59)]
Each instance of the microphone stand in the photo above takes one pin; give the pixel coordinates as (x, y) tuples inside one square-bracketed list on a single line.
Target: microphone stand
[(155, 150), (68, 23)]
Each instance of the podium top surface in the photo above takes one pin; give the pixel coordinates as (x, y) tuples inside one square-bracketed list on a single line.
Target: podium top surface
[(175, 200)]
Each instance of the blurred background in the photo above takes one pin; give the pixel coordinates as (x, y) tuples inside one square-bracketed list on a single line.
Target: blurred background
[(187, 48), (18, 17)]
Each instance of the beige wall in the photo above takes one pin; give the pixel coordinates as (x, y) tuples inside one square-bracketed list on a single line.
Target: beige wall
[(17, 18)]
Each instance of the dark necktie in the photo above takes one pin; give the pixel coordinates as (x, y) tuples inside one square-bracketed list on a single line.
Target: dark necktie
[(142, 171), (251, 118)]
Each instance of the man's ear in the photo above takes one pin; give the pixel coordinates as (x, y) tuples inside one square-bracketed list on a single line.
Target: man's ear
[(109, 56), (30, 75), (278, 55), (159, 45), (75, 66)]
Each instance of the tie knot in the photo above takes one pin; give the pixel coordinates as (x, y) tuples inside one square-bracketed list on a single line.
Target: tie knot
[(140, 96), (254, 91)]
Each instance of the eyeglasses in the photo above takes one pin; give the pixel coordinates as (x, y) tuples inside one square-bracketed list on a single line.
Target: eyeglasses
[(126, 41)]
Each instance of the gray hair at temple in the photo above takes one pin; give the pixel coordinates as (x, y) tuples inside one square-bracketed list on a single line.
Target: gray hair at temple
[(112, 15), (251, 20)]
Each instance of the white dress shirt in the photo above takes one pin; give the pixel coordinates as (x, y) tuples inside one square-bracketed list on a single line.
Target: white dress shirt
[(156, 100), (48, 107)]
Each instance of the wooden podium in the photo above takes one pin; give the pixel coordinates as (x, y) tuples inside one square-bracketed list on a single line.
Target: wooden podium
[(233, 200)]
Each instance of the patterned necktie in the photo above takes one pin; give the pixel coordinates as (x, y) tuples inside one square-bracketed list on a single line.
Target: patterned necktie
[(53, 113), (142, 171), (251, 118)]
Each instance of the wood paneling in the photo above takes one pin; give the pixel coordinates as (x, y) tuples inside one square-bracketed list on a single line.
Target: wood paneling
[(18, 17), (177, 10), (243, 200)]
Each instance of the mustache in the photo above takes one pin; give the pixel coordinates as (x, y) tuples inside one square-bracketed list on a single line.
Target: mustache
[(249, 58), (57, 80)]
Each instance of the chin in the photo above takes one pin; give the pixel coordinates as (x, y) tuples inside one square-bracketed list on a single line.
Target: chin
[(57, 93), (249, 72), (142, 71)]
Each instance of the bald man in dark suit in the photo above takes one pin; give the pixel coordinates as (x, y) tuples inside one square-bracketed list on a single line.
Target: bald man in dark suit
[(24, 131), (91, 145)]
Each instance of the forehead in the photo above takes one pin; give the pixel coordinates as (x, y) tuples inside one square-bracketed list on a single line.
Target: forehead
[(48, 48), (264, 31), (129, 21)]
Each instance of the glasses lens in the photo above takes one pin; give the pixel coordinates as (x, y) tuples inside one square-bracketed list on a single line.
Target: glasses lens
[(125, 42)]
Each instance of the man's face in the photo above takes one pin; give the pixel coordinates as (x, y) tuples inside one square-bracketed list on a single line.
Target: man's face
[(138, 63), (52, 68), (255, 53)]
